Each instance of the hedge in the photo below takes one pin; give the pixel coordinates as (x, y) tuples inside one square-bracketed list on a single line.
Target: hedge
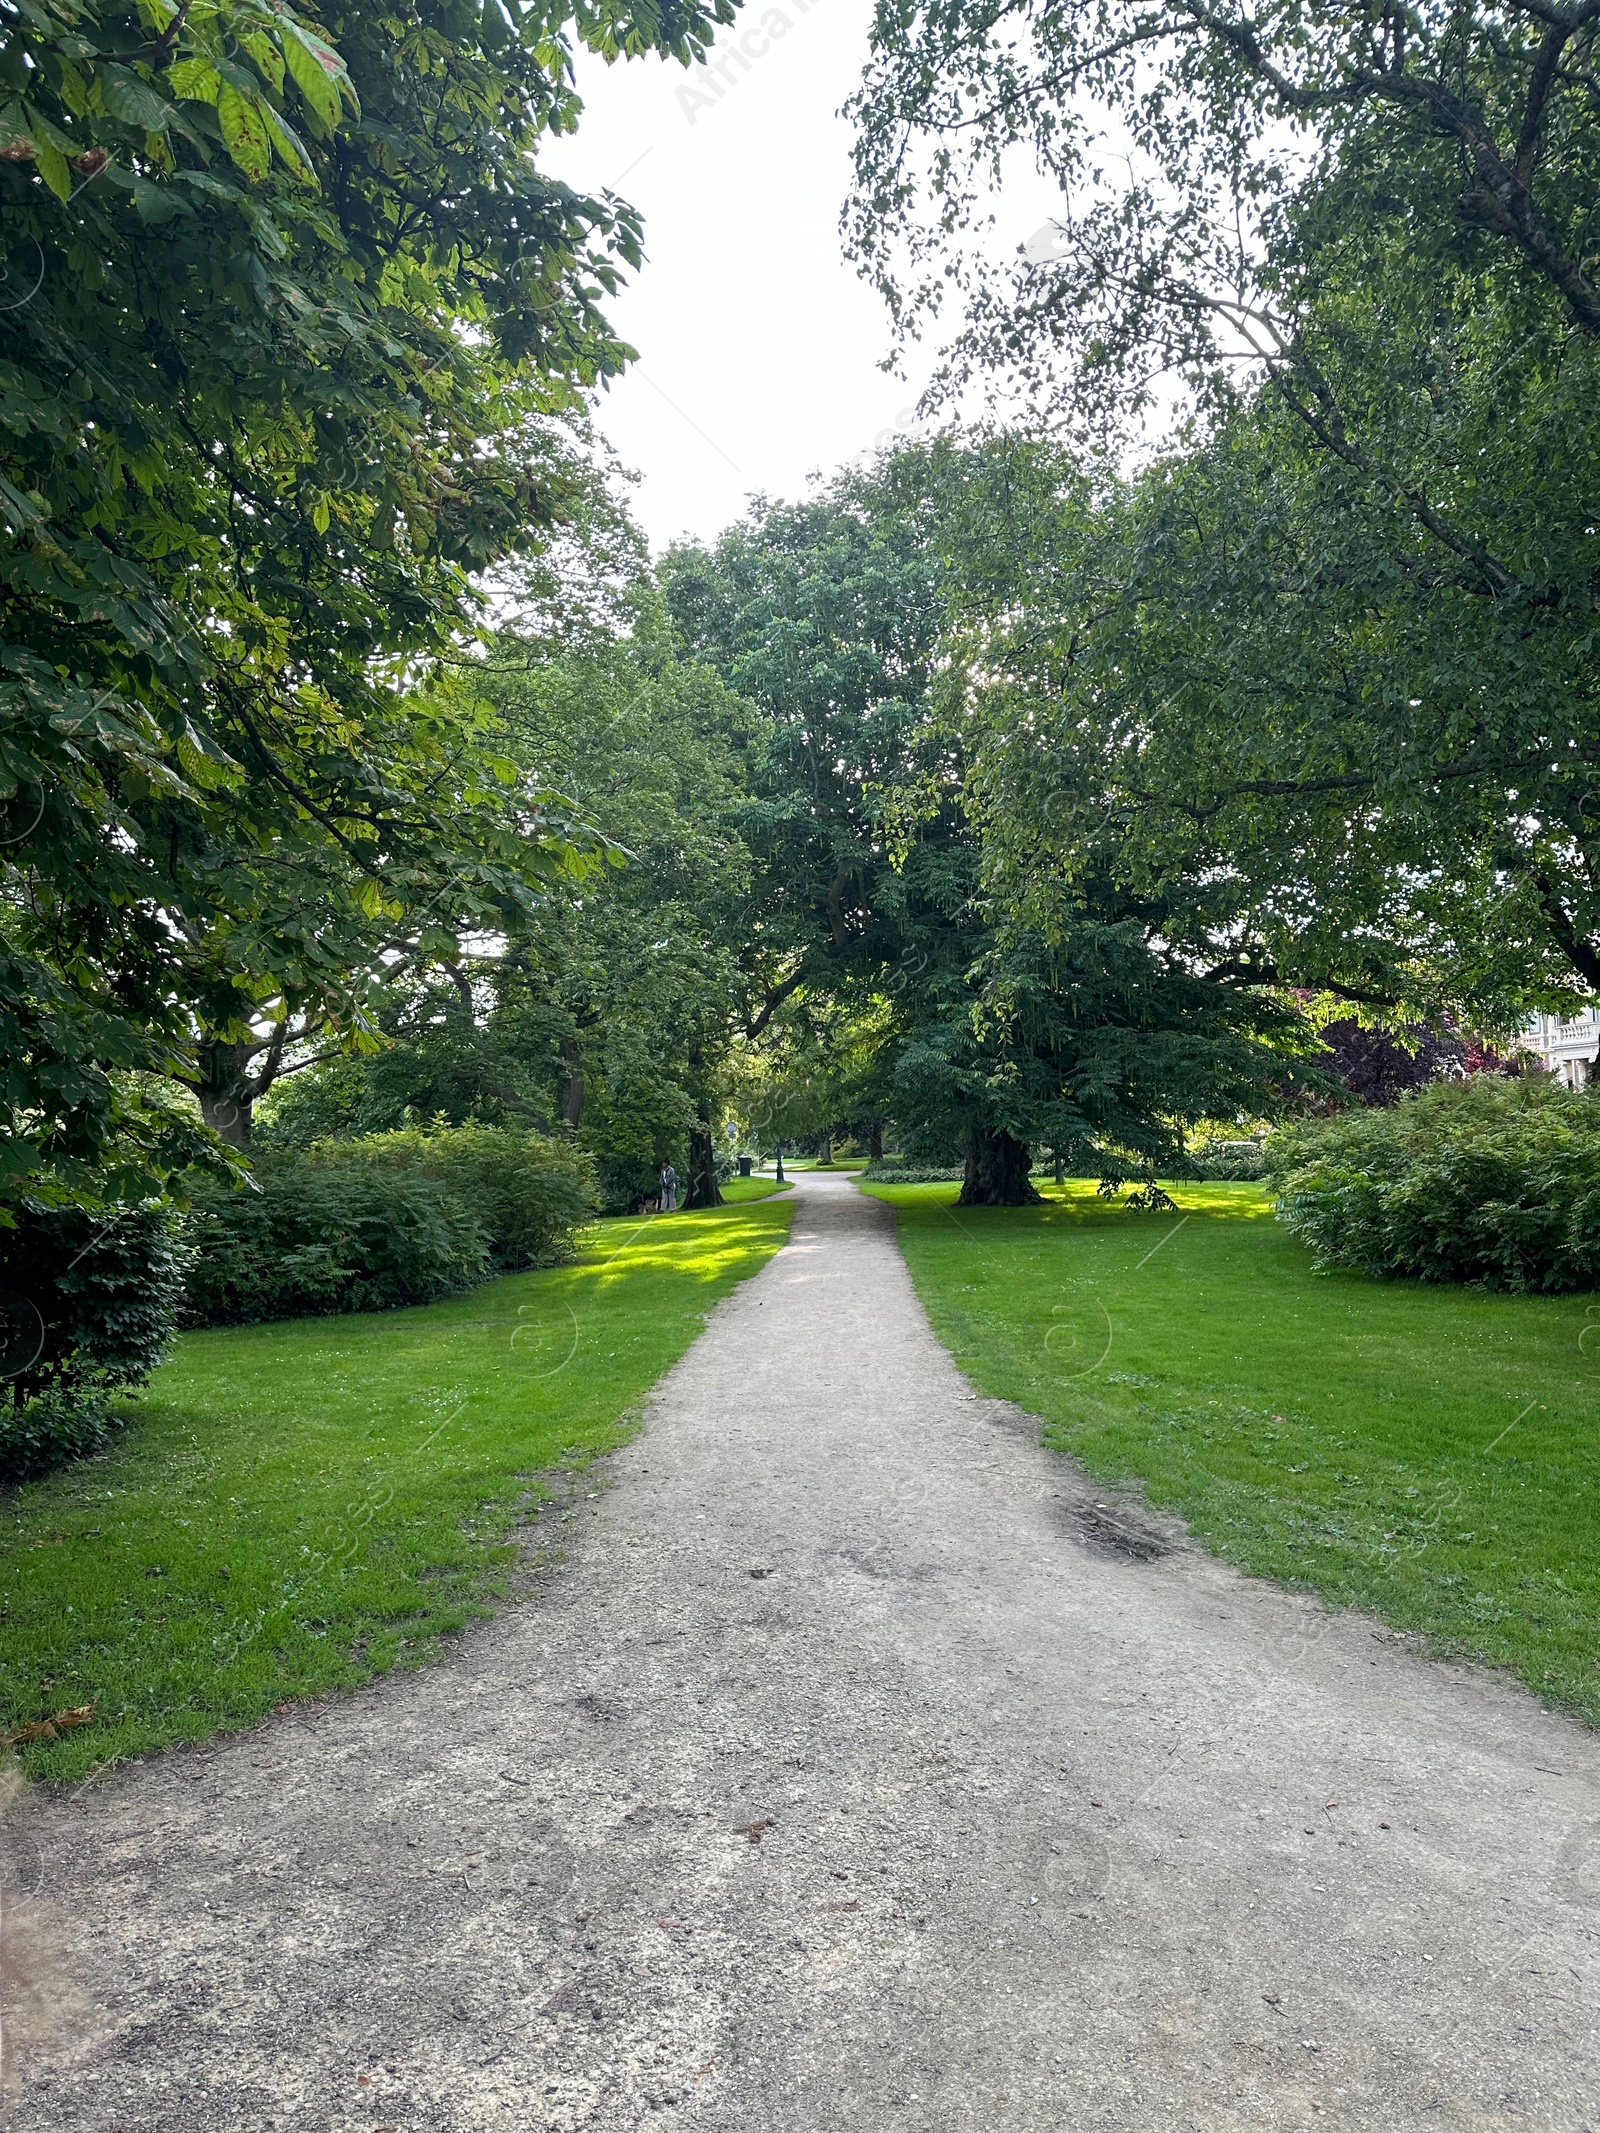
[(529, 1191), (385, 1221), (1483, 1180), (90, 1302), (306, 1238)]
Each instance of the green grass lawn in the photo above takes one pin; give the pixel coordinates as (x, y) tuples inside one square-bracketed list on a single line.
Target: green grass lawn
[(1430, 1453), (809, 1162), (297, 1507), (739, 1192)]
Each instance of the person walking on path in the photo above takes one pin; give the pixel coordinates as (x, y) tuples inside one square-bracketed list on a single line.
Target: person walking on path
[(669, 1189)]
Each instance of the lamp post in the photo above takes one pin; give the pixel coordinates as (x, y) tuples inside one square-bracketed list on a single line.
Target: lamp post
[(782, 1180)]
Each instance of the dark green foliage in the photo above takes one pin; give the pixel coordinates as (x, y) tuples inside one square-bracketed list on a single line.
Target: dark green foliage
[(440, 1066), (89, 1311), (289, 312), (66, 1421), (313, 1236), (875, 629), (1482, 1180), (621, 997), (1103, 1044), (1247, 1167), (528, 1191), (397, 1218), (1335, 653)]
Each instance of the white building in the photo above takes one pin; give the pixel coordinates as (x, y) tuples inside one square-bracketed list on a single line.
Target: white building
[(1568, 1049)]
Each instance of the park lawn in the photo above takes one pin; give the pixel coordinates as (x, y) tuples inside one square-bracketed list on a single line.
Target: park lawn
[(294, 1508), (739, 1192), (1429, 1453)]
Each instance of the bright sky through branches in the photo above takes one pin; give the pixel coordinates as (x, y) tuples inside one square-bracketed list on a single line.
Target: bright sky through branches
[(759, 345)]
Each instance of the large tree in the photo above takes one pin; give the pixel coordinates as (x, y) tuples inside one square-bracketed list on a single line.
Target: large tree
[(1341, 642), (633, 985), (289, 310), (608, 1012), (1105, 1024)]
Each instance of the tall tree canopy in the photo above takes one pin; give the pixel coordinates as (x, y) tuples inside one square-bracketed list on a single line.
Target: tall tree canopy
[(1341, 641), (288, 312), (608, 1013), (1103, 1026)]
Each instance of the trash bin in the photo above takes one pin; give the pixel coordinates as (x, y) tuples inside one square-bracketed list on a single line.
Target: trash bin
[(746, 1165)]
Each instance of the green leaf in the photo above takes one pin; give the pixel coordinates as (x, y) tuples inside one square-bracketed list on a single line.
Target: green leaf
[(288, 143), (54, 169), (318, 72), (266, 55), (158, 203), (203, 767), (127, 97), (23, 512), (206, 181), (195, 79), (244, 132)]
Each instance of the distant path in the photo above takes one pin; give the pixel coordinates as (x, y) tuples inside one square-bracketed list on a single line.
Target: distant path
[(854, 1774)]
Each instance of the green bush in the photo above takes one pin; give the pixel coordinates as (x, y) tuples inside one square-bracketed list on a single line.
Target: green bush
[(65, 1421), (316, 1236), (1228, 1163), (90, 1302), (529, 1191), (392, 1219), (1484, 1180)]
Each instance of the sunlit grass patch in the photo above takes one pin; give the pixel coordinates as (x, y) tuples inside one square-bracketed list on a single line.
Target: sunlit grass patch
[(296, 1507), (738, 1192), (1431, 1453)]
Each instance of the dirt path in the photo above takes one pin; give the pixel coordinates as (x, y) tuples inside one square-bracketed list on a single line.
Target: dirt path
[(856, 1772)]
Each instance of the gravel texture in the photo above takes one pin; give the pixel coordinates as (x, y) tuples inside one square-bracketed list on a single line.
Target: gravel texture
[(860, 1767)]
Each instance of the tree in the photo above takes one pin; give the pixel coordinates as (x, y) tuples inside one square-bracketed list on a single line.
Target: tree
[(1386, 795), (294, 315), (609, 1009), (824, 615), (629, 989), (861, 626), (1345, 639)]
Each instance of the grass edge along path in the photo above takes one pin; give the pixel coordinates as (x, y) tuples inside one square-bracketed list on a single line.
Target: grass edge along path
[(1427, 1453), (298, 1507)]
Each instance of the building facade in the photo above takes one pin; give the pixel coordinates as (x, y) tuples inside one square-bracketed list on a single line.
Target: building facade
[(1566, 1048)]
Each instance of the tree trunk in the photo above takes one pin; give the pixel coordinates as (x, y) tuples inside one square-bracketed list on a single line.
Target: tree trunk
[(997, 1172), (875, 1141), (703, 1190), (226, 1088), (825, 1149), (572, 1097)]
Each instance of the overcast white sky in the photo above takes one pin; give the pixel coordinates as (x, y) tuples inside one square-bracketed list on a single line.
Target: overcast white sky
[(758, 345)]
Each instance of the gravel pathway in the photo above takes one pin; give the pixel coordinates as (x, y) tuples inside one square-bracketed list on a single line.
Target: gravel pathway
[(861, 1768)]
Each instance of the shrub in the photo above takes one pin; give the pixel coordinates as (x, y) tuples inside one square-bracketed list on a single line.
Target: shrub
[(65, 1421), (529, 1191), (1229, 1162), (1482, 1180), (90, 1305), (315, 1236)]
